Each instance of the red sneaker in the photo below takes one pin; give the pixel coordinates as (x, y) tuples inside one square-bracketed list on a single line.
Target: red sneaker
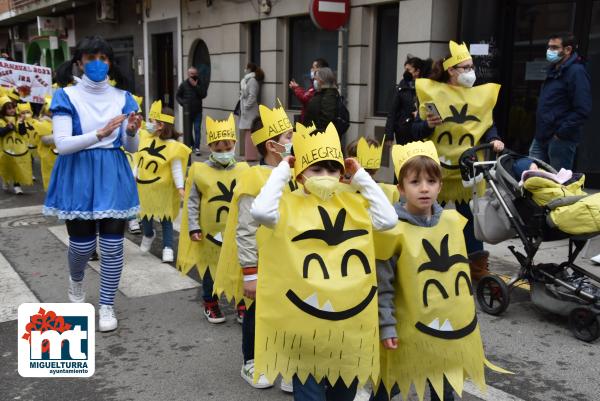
[(213, 312)]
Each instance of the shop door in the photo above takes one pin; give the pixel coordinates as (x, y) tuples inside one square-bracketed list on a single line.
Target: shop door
[(162, 50), (533, 23)]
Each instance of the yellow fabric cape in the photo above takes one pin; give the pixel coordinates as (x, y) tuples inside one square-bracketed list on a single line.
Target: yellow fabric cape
[(438, 333), (467, 115), (15, 161), (229, 280), (216, 188), (159, 197), (47, 154), (316, 309)]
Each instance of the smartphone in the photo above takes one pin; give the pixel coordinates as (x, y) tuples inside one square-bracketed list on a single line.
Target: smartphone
[(432, 109)]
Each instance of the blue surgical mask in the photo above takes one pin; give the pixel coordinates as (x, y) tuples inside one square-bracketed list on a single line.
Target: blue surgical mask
[(553, 56), (96, 70), (150, 127), (223, 157)]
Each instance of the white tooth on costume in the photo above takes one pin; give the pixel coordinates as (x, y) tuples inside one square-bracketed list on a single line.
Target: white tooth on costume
[(446, 326), (327, 307), (435, 324), (312, 300)]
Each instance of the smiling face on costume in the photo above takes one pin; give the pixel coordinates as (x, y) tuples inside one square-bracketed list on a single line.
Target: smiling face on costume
[(149, 159), (446, 309)]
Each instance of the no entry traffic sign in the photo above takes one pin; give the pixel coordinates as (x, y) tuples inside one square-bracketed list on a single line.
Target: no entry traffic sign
[(329, 15)]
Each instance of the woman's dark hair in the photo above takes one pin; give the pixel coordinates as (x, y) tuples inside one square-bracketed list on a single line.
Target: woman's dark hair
[(424, 66), (168, 129), (3, 109), (321, 62), (437, 70), (90, 45), (259, 74)]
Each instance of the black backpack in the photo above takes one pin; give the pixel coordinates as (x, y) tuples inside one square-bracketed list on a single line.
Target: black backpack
[(342, 119)]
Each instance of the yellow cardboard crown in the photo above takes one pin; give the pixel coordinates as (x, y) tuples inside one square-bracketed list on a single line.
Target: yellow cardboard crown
[(156, 113), (275, 122), (23, 107), (4, 99), (312, 146), (220, 130), (138, 100), (458, 54), (403, 153), (369, 156)]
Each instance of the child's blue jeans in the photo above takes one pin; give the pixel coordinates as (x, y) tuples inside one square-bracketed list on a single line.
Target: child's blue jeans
[(167, 231), (323, 391)]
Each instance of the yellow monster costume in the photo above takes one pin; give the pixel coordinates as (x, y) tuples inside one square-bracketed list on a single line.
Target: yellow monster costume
[(229, 278), (47, 153), (436, 320), (159, 198), (216, 187), (369, 157), (15, 160), (31, 125), (467, 114), (319, 273)]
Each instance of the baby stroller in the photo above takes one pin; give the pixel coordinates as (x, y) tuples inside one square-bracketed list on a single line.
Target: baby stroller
[(507, 210)]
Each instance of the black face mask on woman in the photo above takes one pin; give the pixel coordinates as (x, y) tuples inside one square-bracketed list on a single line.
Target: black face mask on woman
[(407, 76)]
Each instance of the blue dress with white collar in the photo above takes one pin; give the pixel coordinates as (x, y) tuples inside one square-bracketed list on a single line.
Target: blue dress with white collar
[(96, 182)]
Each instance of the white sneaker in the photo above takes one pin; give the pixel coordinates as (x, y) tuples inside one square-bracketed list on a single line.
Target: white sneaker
[(107, 320), (134, 226), (248, 375), (167, 256), (146, 243), (76, 292), (596, 259), (17, 189), (286, 387)]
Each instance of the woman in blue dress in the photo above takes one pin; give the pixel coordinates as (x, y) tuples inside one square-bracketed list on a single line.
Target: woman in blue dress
[(92, 187)]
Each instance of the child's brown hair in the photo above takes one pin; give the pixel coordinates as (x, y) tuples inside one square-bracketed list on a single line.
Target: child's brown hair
[(420, 165), (168, 129)]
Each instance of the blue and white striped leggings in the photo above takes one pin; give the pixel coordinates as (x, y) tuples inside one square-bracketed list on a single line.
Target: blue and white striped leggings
[(82, 244)]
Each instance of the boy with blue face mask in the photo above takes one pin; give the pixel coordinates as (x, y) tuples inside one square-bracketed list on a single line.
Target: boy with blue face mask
[(209, 191)]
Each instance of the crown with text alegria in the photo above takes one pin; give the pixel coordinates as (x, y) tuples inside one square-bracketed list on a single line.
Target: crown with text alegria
[(459, 53), (311, 147), (275, 122), (403, 153), (220, 130), (369, 156), (156, 113)]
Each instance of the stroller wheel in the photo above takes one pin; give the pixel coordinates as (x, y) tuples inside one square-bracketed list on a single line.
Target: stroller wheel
[(492, 295), (584, 324)]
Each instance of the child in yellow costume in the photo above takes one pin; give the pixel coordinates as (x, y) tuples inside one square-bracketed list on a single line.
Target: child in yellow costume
[(368, 152), (45, 145), (465, 120), (237, 268), (160, 177), (319, 271), (209, 190), (428, 321), (15, 160)]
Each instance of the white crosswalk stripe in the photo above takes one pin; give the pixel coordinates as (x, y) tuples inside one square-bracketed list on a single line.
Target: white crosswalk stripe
[(13, 291), (144, 274)]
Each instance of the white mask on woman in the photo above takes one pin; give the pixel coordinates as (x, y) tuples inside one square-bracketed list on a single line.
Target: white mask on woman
[(467, 79)]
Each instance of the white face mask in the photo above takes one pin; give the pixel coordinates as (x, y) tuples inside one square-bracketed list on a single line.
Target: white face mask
[(287, 148), (467, 79), (312, 74), (223, 157), (150, 127), (316, 84)]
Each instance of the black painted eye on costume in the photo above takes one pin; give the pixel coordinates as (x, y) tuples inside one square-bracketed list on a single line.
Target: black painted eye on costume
[(438, 285), (320, 261)]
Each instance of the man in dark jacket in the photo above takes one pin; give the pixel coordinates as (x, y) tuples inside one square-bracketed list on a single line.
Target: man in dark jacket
[(189, 95), (564, 104)]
